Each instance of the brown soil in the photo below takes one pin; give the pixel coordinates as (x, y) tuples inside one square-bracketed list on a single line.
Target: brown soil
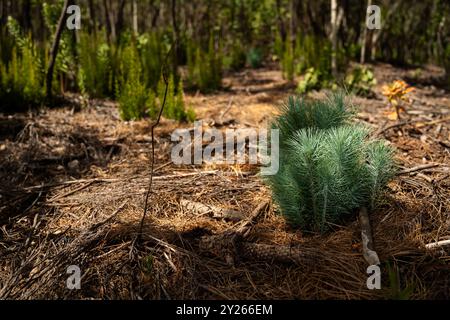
[(73, 185)]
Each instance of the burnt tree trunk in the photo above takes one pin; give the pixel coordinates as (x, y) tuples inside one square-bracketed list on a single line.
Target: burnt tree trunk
[(54, 49)]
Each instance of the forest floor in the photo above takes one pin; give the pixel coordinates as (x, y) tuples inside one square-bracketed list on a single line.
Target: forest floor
[(73, 183)]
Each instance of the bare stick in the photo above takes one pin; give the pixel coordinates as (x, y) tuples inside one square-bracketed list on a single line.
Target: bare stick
[(367, 241), (210, 210), (420, 124), (226, 244), (230, 104), (395, 125), (156, 123), (418, 168), (245, 228), (438, 244)]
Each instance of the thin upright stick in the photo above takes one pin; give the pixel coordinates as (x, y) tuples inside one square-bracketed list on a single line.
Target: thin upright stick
[(156, 123)]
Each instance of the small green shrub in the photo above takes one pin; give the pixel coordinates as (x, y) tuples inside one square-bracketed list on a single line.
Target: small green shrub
[(22, 78), (132, 94), (447, 64), (95, 70), (152, 52), (328, 166), (137, 99), (174, 107), (65, 70), (288, 60), (236, 59), (254, 58), (360, 81), (307, 53), (133, 99), (311, 80), (205, 67)]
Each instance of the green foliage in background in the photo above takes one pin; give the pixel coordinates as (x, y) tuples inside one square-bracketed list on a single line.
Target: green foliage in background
[(288, 60), (131, 91), (205, 66), (447, 64), (152, 51), (255, 58), (312, 80), (65, 65), (95, 70), (236, 58), (360, 81), (309, 56), (22, 78), (328, 165), (175, 106), (137, 100)]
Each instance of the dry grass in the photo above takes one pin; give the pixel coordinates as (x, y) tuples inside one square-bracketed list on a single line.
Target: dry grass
[(55, 212)]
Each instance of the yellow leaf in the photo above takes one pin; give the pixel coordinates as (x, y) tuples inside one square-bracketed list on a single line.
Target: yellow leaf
[(392, 116)]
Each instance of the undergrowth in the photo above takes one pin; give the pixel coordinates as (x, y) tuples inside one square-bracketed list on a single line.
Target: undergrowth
[(328, 165)]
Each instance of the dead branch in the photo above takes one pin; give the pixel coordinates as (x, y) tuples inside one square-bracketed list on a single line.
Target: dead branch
[(245, 228), (438, 244), (225, 245), (392, 126), (418, 168), (215, 212), (231, 246), (367, 241)]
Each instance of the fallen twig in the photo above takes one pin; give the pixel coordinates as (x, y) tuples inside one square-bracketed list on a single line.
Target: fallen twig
[(216, 212), (437, 244), (59, 196), (395, 125), (429, 123), (418, 168), (420, 124), (367, 241), (231, 248), (222, 114), (245, 228)]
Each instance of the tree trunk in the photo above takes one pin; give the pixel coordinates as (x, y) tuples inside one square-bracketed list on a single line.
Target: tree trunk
[(377, 33), (334, 10), (54, 49), (135, 18), (4, 12), (120, 23), (26, 22), (364, 36), (107, 21), (292, 21), (92, 16), (337, 14), (156, 10), (109, 16), (373, 50), (280, 20), (176, 39)]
